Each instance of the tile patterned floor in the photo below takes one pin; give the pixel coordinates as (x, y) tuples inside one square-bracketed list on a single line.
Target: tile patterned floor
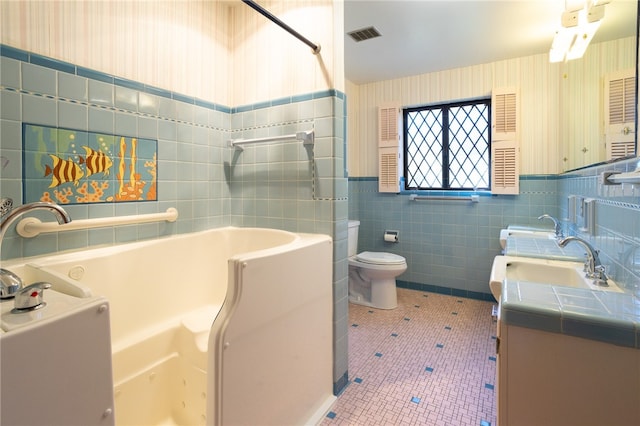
[(431, 361)]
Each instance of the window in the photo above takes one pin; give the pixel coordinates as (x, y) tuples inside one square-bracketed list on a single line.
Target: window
[(448, 146)]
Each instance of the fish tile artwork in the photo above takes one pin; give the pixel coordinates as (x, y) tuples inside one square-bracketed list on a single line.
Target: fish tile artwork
[(76, 167)]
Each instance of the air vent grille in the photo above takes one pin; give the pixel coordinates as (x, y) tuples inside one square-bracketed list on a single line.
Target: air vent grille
[(364, 34)]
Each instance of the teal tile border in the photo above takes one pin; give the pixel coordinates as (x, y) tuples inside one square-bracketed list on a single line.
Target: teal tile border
[(487, 297), (540, 177), (94, 75), (522, 177), (363, 179), (33, 58), (13, 53), (457, 193), (288, 100), (52, 63), (123, 82)]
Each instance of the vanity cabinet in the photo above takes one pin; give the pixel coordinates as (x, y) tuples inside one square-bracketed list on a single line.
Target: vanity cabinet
[(547, 378)]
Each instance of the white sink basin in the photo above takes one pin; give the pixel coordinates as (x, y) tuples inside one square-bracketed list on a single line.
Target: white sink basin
[(524, 233), (543, 271)]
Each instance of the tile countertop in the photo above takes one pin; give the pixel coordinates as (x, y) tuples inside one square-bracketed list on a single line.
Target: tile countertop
[(604, 316), (544, 249)]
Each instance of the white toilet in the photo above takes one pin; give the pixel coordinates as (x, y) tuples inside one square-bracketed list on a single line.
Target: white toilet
[(372, 275)]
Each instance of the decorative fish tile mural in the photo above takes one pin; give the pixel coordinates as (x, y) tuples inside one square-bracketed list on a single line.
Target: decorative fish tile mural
[(77, 167)]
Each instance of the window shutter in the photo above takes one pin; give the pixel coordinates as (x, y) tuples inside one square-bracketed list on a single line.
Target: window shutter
[(505, 115), (505, 141), (619, 113), (388, 148), (505, 167)]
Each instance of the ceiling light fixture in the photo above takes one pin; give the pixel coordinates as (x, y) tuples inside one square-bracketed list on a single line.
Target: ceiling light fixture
[(580, 21)]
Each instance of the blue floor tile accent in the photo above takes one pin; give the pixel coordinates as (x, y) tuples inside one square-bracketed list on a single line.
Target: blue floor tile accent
[(331, 415), (493, 337), (492, 358), (488, 386), (485, 423), (424, 323)]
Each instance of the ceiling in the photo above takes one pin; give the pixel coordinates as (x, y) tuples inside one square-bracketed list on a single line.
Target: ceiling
[(422, 36)]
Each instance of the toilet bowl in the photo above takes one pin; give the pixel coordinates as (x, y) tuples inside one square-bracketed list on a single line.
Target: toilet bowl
[(372, 275)]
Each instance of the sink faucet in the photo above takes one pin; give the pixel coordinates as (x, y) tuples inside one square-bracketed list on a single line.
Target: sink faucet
[(556, 224), (593, 268)]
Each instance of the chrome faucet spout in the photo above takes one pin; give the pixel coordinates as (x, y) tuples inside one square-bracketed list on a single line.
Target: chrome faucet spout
[(593, 267), (556, 224), (60, 214)]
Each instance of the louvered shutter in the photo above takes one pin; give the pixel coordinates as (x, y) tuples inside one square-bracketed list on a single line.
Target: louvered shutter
[(619, 113), (388, 148), (505, 141), (505, 167)]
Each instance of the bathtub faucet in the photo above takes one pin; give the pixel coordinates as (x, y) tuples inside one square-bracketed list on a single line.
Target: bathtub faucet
[(593, 268), (10, 283), (556, 224), (61, 215)]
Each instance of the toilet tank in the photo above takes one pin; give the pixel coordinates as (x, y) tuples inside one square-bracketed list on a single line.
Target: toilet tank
[(352, 238)]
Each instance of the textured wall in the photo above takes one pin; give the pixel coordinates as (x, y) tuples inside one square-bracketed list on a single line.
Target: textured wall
[(218, 51), (183, 46), (560, 105)]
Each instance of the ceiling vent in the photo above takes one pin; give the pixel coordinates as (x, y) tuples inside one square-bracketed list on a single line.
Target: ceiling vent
[(364, 34)]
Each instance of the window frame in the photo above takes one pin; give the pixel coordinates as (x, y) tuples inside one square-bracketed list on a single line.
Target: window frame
[(445, 107)]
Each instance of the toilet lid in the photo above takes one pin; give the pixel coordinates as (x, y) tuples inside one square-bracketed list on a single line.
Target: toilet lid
[(380, 258)]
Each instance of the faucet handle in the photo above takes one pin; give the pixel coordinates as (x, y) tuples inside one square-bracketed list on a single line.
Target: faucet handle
[(600, 273), (30, 297)]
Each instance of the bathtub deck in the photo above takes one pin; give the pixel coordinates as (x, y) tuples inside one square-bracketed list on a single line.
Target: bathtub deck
[(431, 361)]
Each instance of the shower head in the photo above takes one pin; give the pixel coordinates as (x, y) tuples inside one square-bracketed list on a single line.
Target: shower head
[(6, 204)]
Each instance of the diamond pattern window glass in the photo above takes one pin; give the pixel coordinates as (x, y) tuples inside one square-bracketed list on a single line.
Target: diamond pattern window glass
[(448, 146)]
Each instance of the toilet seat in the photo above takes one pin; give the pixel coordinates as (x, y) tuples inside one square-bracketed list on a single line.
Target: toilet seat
[(380, 258)]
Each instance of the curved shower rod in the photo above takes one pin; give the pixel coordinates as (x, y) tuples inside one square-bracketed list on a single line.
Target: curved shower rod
[(315, 48)]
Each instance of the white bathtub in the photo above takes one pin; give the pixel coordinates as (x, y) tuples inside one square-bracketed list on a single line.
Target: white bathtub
[(228, 326)]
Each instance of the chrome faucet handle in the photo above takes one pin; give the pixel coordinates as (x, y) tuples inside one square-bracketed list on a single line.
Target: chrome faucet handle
[(30, 297), (600, 276), (10, 284)]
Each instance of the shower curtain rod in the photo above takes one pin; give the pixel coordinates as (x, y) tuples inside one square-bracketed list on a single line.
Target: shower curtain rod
[(315, 48)]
